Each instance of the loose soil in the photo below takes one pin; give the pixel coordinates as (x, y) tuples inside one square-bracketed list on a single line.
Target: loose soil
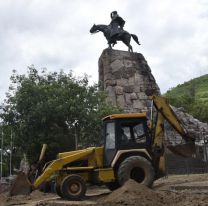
[(181, 190), (133, 193)]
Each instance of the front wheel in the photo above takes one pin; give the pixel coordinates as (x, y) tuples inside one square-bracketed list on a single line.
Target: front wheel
[(73, 187), (137, 168), (57, 189)]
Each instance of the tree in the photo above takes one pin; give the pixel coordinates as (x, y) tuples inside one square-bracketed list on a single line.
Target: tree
[(200, 110), (43, 107), (192, 96)]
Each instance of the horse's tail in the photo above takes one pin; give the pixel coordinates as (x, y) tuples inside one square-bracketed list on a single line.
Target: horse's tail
[(135, 38)]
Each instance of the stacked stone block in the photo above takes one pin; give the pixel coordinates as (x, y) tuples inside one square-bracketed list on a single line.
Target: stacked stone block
[(127, 79), (195, 129)]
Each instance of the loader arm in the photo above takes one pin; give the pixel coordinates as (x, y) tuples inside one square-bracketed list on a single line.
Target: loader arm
[(59, 163)]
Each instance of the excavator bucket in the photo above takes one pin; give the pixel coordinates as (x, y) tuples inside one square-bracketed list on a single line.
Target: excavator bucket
[(184, 150), (21, 185)]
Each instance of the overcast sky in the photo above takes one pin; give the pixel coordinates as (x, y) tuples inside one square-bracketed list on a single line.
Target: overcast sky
[(55, 34)]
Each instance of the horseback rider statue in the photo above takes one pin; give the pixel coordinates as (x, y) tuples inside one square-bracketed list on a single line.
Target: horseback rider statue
[(114, 31), (116, 24)]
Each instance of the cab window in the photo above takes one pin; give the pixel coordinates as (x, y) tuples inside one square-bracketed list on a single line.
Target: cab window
[(132, 132), (139, 133), (125, 134), (110, 135)]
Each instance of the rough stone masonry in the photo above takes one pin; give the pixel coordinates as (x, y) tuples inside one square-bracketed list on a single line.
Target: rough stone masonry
[(127, 79)]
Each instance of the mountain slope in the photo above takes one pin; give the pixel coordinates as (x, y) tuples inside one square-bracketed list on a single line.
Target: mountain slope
[(193, 96)]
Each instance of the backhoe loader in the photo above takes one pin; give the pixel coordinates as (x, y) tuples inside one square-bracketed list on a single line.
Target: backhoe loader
[(133, 148)]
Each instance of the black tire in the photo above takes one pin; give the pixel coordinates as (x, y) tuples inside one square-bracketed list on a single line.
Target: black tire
[(73, 187), (112, 185), (57, 189), (45, 187), (137, 168)]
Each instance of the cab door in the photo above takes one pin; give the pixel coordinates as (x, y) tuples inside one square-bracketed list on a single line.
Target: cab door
[(110, 142)]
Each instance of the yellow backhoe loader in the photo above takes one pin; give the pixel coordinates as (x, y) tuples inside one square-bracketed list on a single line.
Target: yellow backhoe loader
[(133, 148)]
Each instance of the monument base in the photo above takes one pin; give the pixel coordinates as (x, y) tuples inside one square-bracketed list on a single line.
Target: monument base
[(127, 79)]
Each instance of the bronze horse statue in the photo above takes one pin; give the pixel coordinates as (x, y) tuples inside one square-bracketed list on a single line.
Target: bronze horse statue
[(123, 36)]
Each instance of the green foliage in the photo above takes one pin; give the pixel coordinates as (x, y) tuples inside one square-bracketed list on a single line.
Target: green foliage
[(46, 107), (193, 96)]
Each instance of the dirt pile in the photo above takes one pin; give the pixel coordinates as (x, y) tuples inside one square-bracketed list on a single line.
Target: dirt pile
[(133, 193), (180, 190), (35, 196)]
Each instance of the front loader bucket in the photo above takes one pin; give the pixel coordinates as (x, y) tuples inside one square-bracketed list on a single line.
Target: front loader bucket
[(21, 185), (184, 150)]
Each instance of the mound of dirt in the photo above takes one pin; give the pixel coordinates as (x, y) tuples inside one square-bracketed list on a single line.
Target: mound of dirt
[(132, 193), (6, 200)]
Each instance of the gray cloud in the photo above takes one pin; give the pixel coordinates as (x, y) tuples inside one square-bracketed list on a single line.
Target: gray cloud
[(55, 34)]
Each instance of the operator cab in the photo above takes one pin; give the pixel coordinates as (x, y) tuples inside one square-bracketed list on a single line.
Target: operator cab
[(124, 132)]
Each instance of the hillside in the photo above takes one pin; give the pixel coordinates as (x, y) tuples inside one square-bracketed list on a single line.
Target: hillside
[(192, 96)]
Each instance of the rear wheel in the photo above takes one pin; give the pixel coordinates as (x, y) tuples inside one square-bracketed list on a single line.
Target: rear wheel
[(137, 168), (73, 187)]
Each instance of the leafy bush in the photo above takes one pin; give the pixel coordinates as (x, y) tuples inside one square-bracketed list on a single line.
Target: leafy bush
[(44, 107)]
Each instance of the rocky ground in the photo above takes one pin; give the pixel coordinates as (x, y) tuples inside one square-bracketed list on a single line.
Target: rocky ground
[(183, 190)]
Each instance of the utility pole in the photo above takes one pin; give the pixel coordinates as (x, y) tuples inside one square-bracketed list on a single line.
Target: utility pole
[(2, 144), (75, 124), (11, 150), (76, 137)]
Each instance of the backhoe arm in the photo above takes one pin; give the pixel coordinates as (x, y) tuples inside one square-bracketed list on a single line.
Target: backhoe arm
[(165, 112), (162, 105)]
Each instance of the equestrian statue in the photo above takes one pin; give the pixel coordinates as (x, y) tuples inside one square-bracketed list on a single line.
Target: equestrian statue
[(114, 32)]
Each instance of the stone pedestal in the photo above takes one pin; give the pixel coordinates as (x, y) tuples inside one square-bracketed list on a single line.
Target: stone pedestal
[(127, 79)]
